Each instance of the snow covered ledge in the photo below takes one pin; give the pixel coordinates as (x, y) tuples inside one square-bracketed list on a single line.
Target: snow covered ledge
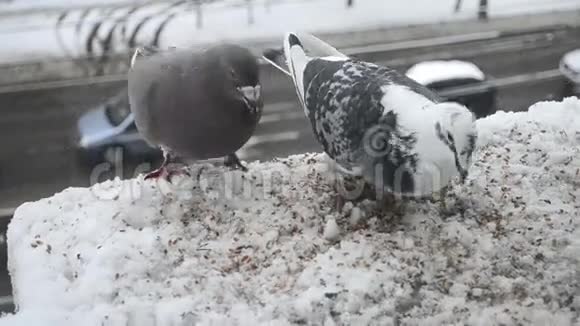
[(273, 249)]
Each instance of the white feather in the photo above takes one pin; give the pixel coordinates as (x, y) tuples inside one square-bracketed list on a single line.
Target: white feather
[(417, 114), (297, 59)]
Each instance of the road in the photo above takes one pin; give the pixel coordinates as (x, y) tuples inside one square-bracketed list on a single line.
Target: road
[(38, 126)]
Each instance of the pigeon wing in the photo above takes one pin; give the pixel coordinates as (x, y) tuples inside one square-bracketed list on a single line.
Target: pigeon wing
[(343, 101)]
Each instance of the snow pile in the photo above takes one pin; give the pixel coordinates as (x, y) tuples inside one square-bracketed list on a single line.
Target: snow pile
[(269, 247)]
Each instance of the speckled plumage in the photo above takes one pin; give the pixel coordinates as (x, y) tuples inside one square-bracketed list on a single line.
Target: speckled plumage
[(344, 100), (365, 115)]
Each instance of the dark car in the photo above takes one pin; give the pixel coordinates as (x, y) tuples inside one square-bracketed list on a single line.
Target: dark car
[(457, 81), (110, 128)]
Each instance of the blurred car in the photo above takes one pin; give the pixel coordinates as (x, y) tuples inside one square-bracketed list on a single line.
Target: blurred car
[(570, 68), (110, 127), (457, 81)]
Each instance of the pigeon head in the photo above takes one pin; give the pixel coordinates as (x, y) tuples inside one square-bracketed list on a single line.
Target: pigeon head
[(457, 131), (242, 70), (242, 63)]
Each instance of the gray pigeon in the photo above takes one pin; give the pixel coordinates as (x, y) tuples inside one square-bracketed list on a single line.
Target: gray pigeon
[(195, 105), (377, 123)]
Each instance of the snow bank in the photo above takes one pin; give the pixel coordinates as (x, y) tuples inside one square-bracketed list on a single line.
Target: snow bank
[(270, 248)]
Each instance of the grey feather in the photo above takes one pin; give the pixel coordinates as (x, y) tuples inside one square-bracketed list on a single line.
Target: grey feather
[(193, 103)]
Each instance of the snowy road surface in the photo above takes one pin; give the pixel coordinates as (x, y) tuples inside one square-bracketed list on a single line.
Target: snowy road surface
[(102, 31), (272, 248)]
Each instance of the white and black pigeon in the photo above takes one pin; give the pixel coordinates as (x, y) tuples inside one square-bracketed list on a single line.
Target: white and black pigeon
[(377, 123), (195, 105)]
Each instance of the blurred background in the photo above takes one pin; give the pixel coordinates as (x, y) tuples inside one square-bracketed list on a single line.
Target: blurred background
[(65, 116)]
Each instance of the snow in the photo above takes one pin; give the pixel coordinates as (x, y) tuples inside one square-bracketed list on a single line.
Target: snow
[(39, 35), (427, 72), (251, 249), (331, 230)]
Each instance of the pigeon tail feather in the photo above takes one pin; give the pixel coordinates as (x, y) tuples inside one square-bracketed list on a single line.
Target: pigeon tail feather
[(318, 48), (295, 54), (296, 61)]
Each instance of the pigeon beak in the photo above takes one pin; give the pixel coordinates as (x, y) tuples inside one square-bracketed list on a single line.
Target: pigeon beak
[(252, 94)]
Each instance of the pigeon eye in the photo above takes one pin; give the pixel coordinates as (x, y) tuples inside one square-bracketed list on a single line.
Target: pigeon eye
[(237, 81), (233, 74)]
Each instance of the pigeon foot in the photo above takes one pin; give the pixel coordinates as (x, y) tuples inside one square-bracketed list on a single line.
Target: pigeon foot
[(155, 174), (166, 173), (163, 170), (232, 161)]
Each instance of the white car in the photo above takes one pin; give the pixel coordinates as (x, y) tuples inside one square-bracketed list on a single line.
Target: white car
[(110, 126), (570, 68), (458, 81)]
